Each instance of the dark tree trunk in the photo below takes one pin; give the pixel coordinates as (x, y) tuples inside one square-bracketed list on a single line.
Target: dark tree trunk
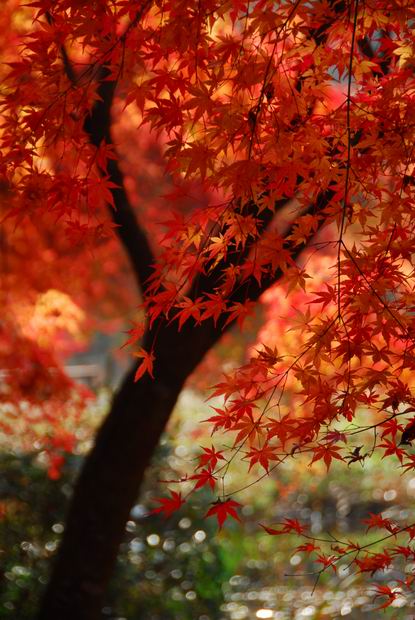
[(112, 474), (109, 483)]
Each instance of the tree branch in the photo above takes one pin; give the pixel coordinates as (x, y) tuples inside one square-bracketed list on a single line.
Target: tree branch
[(208, 282), (250, 289), (97, 125), (133, 238)]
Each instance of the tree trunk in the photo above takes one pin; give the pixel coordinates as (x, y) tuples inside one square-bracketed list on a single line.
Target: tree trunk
[(109, 482)]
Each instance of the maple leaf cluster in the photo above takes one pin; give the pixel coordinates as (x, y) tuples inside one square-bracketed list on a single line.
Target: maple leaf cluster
[(287, 129)]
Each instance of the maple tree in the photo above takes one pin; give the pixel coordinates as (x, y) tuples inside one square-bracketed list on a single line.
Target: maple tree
[(286, 129)]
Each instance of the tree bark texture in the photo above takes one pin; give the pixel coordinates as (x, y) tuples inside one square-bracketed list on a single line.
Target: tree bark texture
[(110, 479)]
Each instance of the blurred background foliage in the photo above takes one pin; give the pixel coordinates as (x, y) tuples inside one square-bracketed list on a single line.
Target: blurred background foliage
[(182, 567)]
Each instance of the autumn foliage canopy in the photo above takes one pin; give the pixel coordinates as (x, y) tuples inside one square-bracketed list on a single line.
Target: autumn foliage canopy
[(286, 130)]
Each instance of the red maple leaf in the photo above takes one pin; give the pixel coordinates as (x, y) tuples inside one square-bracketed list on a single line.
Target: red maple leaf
[(210, 457), (168, 505), (204, 477), (374, 562), (135, 333), (308, 547), (379, 521), (391, 449), (288, 526), (385, 591), (146, 365), (327, 453), (222, 509), (262, 456), (327, 561)]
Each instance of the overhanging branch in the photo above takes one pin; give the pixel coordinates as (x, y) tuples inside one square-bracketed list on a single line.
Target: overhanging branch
[(250, 289), (208, 282)]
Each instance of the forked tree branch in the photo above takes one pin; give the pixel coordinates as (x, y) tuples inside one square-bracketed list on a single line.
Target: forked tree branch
[(132, 236)]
